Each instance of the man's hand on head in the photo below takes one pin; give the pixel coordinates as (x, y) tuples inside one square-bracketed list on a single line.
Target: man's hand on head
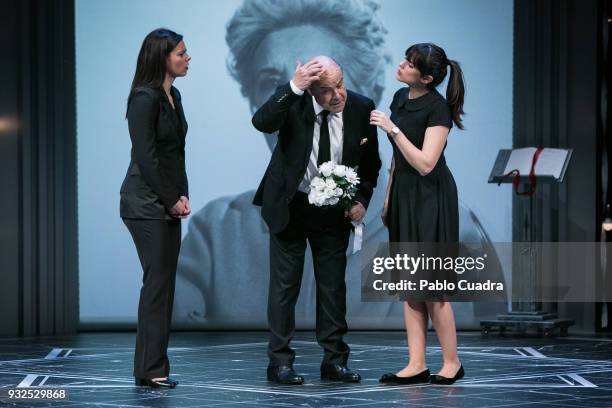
[(306, 74)]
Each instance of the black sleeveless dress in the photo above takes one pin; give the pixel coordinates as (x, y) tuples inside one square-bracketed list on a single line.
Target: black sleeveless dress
[(422, 209)]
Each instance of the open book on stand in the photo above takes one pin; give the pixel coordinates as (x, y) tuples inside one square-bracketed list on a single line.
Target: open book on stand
[(547, 163)]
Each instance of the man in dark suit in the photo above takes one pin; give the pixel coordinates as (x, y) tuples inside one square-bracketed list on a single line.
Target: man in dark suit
[(317, 120)]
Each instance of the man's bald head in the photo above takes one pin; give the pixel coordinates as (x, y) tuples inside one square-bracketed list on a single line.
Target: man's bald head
[(329, 64), (331, 69)]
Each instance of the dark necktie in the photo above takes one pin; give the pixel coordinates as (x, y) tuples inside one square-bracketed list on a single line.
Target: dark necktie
[(324, 143)]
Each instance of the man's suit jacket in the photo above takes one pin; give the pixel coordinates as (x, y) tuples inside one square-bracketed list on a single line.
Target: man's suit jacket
[(293, 117), (156, 176)]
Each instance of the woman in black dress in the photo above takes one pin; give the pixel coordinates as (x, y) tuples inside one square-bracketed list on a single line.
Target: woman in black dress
[(421, 202), (154, 195)]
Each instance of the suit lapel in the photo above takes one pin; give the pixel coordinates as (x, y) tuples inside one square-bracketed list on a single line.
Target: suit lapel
[(308, 118), (164, 103), (166, 107), (178, 104), (179, 107), (348, 134)]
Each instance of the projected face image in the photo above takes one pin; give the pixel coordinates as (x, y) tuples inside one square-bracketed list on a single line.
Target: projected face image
[(250, 47), (277, 56)]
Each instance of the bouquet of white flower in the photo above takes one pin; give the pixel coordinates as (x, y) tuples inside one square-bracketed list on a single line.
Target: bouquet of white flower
[(335, 185)]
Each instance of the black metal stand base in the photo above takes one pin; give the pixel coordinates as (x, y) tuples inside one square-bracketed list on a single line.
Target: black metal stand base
[(544, 323)]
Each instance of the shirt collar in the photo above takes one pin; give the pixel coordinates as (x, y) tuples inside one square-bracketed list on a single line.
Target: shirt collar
[(318, 109)]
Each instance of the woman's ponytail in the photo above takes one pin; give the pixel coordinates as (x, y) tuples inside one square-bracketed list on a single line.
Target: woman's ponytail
[(455, 92)]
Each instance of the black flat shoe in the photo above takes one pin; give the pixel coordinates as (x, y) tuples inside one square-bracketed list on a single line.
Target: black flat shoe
[(338, 372), (147, 382), (420, 378), (284, 375), (440, 380)]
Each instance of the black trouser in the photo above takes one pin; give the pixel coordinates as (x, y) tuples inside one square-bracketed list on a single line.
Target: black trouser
[(327, 231), (158, 243)]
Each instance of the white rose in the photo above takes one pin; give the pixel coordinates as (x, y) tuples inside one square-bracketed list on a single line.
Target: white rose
[(327, 168), (312, 196), (331, 184), (338, 192), (329, 193), (340, 171), (321, 199), (334, 201), (316, 197), (317, 183)]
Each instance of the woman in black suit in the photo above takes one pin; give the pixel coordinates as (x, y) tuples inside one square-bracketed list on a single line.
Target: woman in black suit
[(421, 203), (154, 194)]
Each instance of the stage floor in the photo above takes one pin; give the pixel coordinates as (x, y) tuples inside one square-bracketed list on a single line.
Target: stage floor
[(227, 369)]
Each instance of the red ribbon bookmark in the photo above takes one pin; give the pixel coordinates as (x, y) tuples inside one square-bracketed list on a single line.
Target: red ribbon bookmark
[(532, 176)]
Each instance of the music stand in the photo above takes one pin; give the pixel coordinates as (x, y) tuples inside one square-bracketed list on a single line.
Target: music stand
[(526, 313)]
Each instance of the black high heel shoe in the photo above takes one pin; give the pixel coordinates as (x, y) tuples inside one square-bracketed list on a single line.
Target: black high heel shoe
[(420, 378), (147, 382), (441, 380)]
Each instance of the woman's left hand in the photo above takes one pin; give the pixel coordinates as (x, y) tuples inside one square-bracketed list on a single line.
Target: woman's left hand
[(380, 119), (187, 211)]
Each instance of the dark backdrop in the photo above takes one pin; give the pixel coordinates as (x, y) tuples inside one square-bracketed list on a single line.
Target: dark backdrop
[(38, 250)]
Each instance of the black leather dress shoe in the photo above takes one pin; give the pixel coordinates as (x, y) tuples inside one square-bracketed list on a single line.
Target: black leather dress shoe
[(147, 382), (440, 380), (420, 378), (339, 372), (284, 375)]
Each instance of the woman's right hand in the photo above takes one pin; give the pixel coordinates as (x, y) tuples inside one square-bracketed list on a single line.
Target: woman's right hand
[(187, 211), (178, 209)]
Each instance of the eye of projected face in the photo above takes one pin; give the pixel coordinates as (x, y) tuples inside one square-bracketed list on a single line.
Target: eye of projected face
[(267, 82)]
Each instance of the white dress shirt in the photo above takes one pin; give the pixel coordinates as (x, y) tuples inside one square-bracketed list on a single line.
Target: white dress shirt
[(336, 136)]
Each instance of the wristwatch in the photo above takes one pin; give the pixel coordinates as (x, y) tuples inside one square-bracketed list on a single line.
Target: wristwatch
[(394, 131)]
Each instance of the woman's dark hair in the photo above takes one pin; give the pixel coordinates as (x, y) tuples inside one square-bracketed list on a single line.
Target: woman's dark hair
[(151, 64), (430, 59)]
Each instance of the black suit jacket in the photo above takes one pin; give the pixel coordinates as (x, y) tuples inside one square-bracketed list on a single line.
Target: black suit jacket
[(156, 176), (293, 117)]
